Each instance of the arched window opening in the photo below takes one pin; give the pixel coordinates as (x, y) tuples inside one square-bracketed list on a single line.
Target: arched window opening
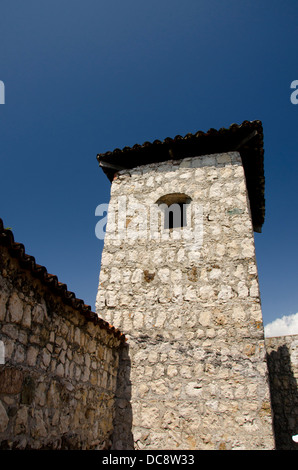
[(174, 207)]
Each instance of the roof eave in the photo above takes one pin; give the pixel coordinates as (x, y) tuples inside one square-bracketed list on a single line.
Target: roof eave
[(246, 138)]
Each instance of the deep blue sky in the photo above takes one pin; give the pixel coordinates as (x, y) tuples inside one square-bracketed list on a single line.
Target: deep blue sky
[(84, 77)]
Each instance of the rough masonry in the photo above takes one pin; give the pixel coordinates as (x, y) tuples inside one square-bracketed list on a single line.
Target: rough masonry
[(282, 357), (58, 376), (187, 297), (179, 277)]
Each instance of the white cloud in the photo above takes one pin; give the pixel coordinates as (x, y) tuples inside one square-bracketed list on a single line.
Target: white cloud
[(287, 325)]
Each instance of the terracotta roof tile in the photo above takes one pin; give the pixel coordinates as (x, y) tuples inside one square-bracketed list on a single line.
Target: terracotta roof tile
[(17, 250), (246, 138)]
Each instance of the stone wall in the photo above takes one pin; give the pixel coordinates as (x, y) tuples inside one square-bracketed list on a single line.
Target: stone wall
[(58, 380), (282, 355), (194, 372)]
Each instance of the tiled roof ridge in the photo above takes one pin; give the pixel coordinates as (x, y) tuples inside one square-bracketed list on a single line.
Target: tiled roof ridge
[(17, 250), (256, 124), (246, 138)]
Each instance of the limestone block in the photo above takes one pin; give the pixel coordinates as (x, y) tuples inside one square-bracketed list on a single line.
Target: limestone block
[(32, 354), (38, 430), (4, 419), (137, 276), (39, 313), (150, 417), (21, 421), (26, 321), (15, 308), (205, 318), (4, 296), (194, 389)]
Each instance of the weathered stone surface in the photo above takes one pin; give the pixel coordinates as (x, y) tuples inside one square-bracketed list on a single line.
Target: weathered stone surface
[(15, 308), (57, 365), (11, 381), (188, 301), (4, 419), (282, 353), (193, 374), (21, 421)]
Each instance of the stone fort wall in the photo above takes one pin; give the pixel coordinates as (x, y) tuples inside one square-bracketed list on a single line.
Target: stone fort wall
[(282, 357), (69, 378), (59, 374)]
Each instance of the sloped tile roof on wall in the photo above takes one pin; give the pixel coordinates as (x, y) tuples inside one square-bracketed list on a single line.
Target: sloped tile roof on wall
[(246, 138), (17, 250)]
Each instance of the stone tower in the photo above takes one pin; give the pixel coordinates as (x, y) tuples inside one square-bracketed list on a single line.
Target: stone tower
[(179, 277)]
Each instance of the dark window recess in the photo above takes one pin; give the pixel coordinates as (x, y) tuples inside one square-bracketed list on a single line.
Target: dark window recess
[(174, 208), (175, 216)]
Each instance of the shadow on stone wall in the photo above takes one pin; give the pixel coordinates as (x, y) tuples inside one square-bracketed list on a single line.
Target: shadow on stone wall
[(284, 398), (122, 435)]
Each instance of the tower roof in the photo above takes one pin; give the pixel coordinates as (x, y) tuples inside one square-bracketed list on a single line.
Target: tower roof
[(246, 138)]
